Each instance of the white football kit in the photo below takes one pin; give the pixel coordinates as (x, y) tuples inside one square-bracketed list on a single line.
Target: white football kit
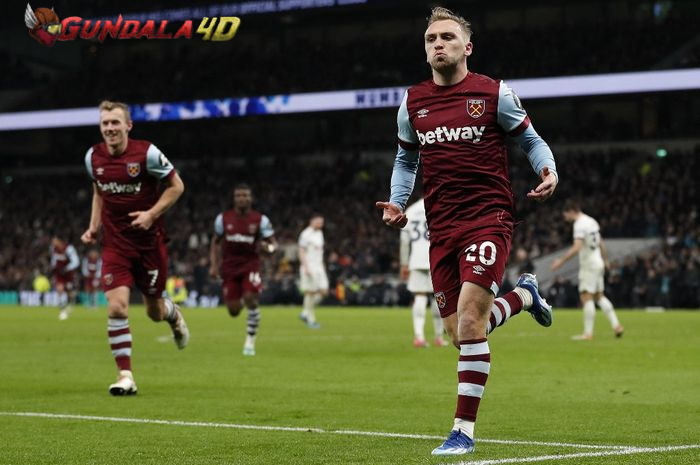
[(414, 237), (591, 265), (315, 280)]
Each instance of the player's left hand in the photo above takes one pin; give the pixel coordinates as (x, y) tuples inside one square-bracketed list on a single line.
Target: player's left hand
[(546, 187), (392, 215), (142, 220)]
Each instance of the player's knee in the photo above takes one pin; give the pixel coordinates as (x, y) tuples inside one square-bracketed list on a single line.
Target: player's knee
[(155, 309), (250, 302), (117, 308), (234, 308), (453, 335)]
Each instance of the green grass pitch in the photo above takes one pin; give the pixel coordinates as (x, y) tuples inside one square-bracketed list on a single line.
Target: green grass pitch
[(635, 400)]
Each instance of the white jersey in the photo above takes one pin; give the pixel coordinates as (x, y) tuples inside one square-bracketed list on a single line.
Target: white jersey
[(311, 240), (588, 230), (414, 238)]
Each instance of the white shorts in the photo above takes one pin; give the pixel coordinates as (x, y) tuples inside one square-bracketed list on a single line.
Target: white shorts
[(591, 281), (315, 281), (419, 282)]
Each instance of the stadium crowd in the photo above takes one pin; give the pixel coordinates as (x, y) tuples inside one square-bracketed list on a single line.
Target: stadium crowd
[(631, 194), (187, 70)]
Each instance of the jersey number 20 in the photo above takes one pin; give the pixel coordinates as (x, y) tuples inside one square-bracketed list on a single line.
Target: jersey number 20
[(487, 253)]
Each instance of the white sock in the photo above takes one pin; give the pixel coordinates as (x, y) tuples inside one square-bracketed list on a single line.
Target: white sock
[(607, 307), (419, 303), (465, 426), (438, 326), (170, 311), (309, 304), (588, 317), (525, 297), (249, 341)]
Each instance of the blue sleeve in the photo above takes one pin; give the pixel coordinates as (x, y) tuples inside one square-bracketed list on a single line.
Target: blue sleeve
[(88, 162), (403, 177), (266, 227), (73, 257), (157, 164), (513, 118), (537, 150), (219, 225)]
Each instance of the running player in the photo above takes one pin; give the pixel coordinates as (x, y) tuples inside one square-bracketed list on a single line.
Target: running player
[(242, 232), (128, 205)]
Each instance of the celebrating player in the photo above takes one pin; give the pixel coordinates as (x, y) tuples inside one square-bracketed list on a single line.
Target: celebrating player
[(313, 278), (593, 261), (415, 266), (64, 262), (458, 121), (91, 270), (242, 231), (126, 202)]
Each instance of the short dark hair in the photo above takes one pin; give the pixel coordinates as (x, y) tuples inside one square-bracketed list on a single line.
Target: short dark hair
[(241, 186), (572, 205)]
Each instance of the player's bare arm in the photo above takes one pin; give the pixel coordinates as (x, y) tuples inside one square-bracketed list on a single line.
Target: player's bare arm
[(214, 256), (144, 219), (573, 250), (392, 215), (546, 188), (604, 254), (90, 234)]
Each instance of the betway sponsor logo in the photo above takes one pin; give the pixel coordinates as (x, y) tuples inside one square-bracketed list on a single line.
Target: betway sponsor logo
[(240, 238), (116, 188), (445, 134)]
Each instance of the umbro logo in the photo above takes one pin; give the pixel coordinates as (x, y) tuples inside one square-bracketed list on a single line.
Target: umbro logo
[(422, 113), (478, 269)]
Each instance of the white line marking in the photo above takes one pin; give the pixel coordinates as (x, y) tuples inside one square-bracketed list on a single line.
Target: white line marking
[(542, 458), (298, 429)]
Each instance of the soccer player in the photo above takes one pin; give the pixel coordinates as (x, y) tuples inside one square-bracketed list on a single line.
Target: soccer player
[(415, 266), (593, 261), (313, 278), (458, 122), (241, 232), (64, 262), (91, 270), (128, 205)]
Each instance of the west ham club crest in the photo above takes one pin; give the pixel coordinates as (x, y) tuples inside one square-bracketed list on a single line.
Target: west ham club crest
[(440, 299), (134, 169), (476, 107)]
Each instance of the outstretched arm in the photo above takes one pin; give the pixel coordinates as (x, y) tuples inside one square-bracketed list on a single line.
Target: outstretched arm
[(214, 256), (573, 250), (513, 118), (404, 175)]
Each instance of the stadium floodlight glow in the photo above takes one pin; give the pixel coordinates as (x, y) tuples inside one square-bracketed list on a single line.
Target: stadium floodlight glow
[(362, 99)]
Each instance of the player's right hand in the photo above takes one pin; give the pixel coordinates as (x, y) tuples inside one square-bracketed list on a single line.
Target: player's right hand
[(556, 264), (404, 273), (392, 215), (89, 236), (214, 272)]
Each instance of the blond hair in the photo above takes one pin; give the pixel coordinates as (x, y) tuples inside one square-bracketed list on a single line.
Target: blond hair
[(440, 14), (108, 105)]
